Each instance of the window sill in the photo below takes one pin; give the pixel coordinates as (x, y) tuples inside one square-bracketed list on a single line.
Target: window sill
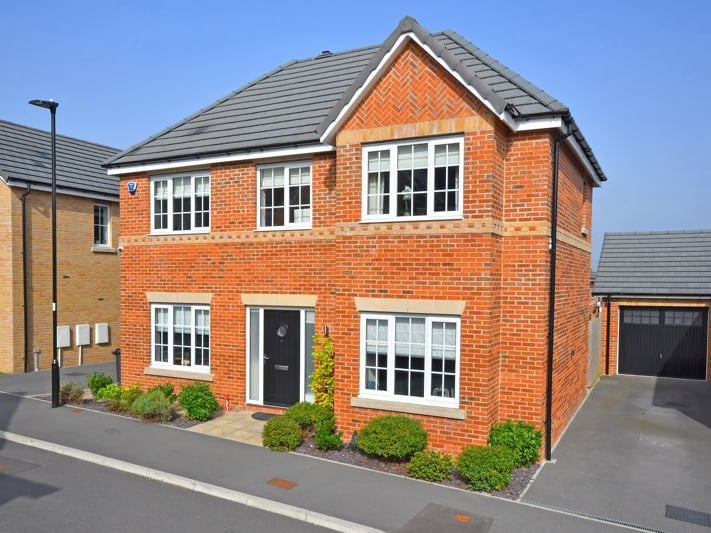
[(285, 228), (154, 233), (180, 374), (410, 408), (433, 218), (103, 250)]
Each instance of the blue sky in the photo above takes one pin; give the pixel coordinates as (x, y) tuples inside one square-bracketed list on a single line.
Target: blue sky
[(636, 74)]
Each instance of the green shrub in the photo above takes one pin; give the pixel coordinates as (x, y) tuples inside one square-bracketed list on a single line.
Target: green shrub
[(306, 414), (168, 391), (281, 434), (486, 468), (126, 396), (112, 391), (153, 405), (521, 438), (323, 382), (198, 401), (431, 466), (70, 392), (394, 437), (325, 435), (97, 381)]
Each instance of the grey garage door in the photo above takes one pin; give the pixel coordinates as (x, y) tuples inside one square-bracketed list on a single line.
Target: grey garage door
[(662, 341)]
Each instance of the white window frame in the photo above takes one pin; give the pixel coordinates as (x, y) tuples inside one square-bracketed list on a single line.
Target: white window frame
[(169, 364), (106, 244), (389, 393), (287, 225), (393, 148), (170, 178)]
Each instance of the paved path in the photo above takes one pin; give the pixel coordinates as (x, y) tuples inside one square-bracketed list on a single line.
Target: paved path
[(638, 445)]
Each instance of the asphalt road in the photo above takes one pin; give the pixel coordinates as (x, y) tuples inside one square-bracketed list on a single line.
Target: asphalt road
[(41, 491)]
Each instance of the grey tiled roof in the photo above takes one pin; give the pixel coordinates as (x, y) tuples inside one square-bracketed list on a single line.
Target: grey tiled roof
[(25, 157), (669, 263), (294, 104)]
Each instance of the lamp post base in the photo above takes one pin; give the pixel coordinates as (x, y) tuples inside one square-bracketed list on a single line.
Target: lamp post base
[(55, 383)]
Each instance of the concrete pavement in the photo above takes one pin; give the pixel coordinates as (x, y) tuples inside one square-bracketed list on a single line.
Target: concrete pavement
[(371, 499), (638, 445)]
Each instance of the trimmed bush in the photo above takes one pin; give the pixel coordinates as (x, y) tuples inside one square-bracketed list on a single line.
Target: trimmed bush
[(325, 435), (306, 414), (198, 401), (97, 381), (521, 438), (431, 466), (281, 434), (70, 392), (486, 468), (392, 437), (168, 391), (153, 405)]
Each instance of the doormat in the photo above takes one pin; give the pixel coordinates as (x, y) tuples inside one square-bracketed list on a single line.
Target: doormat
[(259, 415)]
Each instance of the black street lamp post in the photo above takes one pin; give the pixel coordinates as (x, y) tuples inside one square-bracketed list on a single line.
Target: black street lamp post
[(52, 106)]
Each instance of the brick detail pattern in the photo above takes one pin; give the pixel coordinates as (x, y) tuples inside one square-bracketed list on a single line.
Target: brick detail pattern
[(496, 259), (87, 282)]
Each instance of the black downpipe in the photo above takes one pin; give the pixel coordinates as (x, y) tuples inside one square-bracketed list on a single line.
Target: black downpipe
[(25, 290), (607, 337), (551, 298)]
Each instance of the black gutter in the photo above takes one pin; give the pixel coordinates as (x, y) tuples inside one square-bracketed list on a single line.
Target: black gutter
[(607, 336), (25, 291), (551, 297)]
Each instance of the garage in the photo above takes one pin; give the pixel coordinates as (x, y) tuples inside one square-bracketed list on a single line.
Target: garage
[(663, 341), (653, 290)]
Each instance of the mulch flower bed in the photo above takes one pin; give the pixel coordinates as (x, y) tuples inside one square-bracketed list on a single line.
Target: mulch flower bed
[(178, 421), (351, 455)]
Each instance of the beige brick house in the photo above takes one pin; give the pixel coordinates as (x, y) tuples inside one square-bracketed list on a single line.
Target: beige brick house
[(87, 260)]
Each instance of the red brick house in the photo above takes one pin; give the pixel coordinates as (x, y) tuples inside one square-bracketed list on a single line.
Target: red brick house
[(399, 197)]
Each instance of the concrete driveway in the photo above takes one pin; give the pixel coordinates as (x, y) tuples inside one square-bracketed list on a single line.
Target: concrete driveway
[(638, 446)]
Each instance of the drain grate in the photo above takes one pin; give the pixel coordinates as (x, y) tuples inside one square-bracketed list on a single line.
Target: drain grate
[(688, 515), (282, 483), (260, 415)]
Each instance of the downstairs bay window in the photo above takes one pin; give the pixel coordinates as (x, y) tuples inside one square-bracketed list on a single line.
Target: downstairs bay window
[(410, 358), (180, 337)]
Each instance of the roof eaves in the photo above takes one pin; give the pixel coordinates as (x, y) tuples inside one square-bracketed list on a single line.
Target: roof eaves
[(111, 161)]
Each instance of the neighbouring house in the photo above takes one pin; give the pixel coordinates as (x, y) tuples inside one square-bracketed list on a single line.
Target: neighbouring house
[(87, 263), (397, 197), (656, 291)]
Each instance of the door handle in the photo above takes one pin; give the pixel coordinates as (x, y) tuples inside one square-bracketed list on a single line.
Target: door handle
[(266, 357)]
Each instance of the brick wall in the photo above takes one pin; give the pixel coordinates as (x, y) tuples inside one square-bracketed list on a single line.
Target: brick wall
[(87, 282), (495, 259)]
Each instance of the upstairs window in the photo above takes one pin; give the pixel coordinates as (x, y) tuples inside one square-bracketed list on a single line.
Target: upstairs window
[(101, 225), (285, 196), (414, 180), (180, 203)]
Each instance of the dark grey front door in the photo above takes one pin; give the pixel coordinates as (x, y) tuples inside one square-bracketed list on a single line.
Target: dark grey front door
[(281, 357)]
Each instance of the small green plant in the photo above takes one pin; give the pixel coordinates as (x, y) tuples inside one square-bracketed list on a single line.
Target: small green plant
[(325, 435), (486, 467), (70, 393), (322, 379), (97, 381), (521, 438), (112, 391), (127, 395), (168, 391), (306, 414), (198, 401), (393, 437), (431, 466), (281, 434), (153, 405)]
